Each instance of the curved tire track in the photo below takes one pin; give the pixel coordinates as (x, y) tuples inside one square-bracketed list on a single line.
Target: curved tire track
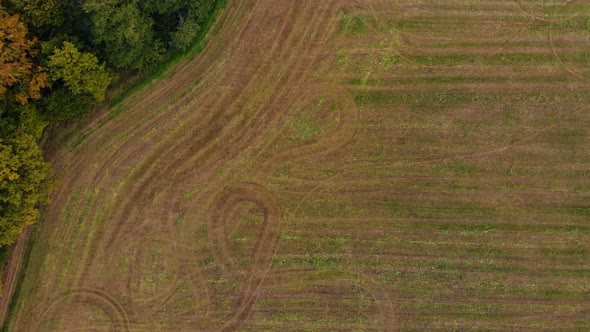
[(264, 249), (95, 297), (565, 58), (549, 17), (363, 283), (334, 141), (201, 150)]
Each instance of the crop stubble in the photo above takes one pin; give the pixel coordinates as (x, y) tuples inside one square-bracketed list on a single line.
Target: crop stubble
[(451, 193)]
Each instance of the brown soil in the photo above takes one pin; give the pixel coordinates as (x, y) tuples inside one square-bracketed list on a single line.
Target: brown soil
[(448, 190)]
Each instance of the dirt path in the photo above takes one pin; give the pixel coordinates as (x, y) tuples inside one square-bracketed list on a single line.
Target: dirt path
[(11, 272)]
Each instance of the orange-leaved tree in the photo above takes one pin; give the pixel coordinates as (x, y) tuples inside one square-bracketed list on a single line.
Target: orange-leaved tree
[(18, 74)]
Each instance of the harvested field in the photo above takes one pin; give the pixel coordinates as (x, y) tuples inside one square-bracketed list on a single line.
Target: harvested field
[(335, 165)]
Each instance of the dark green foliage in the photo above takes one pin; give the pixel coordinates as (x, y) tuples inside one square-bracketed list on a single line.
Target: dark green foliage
[(128, 35), (61, 104), (184, 34), (41, 16), (123, 34)]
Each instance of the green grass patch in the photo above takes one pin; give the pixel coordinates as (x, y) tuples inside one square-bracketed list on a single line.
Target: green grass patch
[(311, 261), (469, 228), (461, 169), (189, 195), (500, 58), (519, 58), (444, 59), (353, 24), (306, 129), (437, 100)]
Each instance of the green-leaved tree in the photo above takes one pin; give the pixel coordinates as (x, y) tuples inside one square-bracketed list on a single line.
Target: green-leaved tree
[(123, 33), (80, 71), (25, 181)]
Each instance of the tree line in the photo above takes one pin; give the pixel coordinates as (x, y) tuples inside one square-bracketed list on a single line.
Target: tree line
[(57, 60)]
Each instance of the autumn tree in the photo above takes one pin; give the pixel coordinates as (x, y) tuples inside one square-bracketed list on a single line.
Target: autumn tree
[(18, 74), (25, 178), (24, 175), (80, 71)]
